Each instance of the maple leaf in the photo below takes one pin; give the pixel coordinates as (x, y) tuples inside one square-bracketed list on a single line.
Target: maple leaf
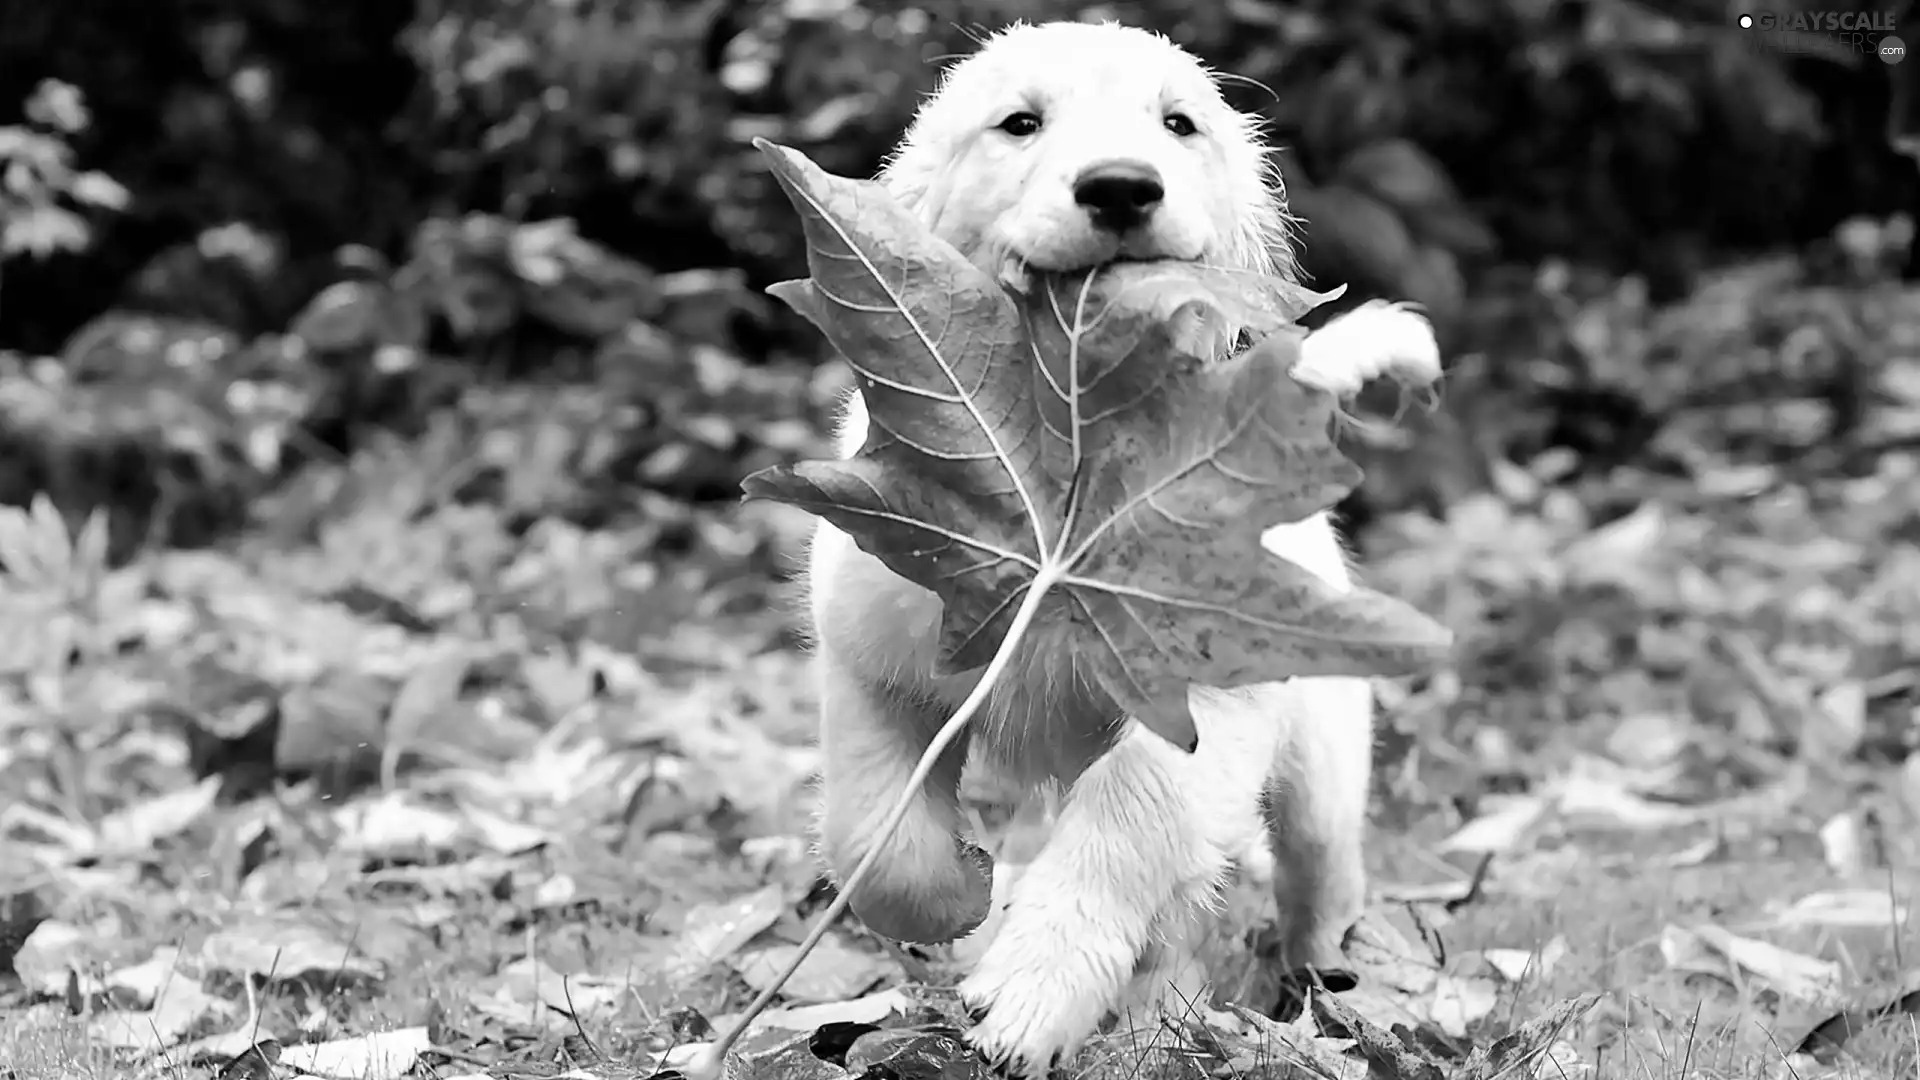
[(1074, 457)]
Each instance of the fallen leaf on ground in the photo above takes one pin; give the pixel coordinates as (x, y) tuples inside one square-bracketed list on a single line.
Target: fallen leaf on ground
[(715, 931), (1592, 793), (386, 1055), (1299, 1044), (1438, 892), (144, 1032), (833, 971), (468, 878), (1618, 552), (1534, 1049), (44, 951), (559, 683), (1401, 982), (1457, 1002), (1598, 794), (1385, 957), (1712, 950), (1646, 740), (1844, 847), (397, 823), (871, 1009), (528, 991), (1502, 828), (245, 1041), (1521, 965), (503, 835), (775, 1052), (1831, 1035), (148, 980), (285, 949), (1837, 724), (1384, 1050), (135, 829), (906, 1052), (1865, 908)]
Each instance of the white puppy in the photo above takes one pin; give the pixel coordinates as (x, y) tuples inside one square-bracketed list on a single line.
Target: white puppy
[(1061, 147)]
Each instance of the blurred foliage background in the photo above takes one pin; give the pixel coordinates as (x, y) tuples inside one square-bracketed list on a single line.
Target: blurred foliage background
[(258, 258), (376, 381)]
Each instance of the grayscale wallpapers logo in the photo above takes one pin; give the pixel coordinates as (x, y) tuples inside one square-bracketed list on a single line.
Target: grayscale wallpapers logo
[(1825, 31)]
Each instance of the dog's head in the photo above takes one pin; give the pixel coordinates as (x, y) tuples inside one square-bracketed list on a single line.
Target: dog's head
[(1066, 145)]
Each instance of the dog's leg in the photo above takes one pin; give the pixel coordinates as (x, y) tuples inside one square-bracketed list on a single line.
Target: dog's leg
[(1317, 810), (876, 719), (1317, 818), (1172, 978), (928, 885), (1146, 835)]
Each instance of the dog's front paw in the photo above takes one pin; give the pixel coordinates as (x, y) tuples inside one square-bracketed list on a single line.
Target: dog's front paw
[(931, 895), (1034, 1006)]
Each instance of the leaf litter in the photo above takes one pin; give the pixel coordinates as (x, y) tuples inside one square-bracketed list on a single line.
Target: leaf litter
[(469, 827)]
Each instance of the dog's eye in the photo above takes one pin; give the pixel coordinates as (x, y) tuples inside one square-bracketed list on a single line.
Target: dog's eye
[(1180, 124), (1020, 124)]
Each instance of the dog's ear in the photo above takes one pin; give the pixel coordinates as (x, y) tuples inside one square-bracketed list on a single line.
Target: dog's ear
[(1264, 229), (920, 173), (911, 189), (914, 174)]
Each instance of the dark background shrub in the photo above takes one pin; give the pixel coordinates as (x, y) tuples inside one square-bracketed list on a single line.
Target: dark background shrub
[(344, 204)]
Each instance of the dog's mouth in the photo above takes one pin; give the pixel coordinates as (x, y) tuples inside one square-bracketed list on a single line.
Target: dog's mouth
[(1122, 258), (1131, 259), (1017, 268), (1018, 274)]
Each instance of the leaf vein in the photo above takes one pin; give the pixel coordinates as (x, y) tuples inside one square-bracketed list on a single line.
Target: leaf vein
[(1027, 500)]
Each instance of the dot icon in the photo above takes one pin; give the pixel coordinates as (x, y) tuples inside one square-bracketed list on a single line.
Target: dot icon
[(1746, 22)]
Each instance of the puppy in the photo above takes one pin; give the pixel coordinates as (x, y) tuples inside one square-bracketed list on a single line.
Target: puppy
[(1062, 147)]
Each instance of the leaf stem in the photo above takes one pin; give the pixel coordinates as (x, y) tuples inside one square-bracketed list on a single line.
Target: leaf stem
[(710, 1063)]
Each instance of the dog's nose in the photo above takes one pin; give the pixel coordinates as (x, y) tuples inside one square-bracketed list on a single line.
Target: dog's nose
[(1119, 195)]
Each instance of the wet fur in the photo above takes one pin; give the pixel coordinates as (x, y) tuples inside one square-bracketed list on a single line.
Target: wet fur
[(1147, 831)]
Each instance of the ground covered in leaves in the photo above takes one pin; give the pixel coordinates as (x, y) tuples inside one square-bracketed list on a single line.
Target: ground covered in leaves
[(436, 786)]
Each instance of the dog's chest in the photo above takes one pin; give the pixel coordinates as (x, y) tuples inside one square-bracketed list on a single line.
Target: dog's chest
[(1046, 718)]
